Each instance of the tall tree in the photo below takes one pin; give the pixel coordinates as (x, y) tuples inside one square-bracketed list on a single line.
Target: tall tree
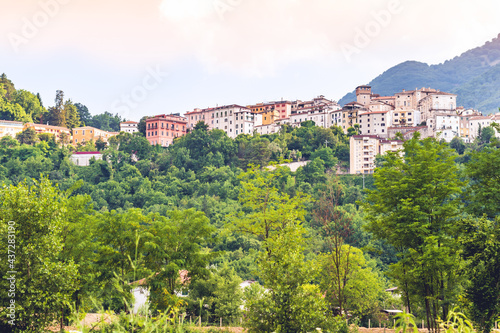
[(85, 116), (336, 225), (414, 207), (141, 127), (31, 220), (71, 115), (267, 209), (480, 239), (8, 86), (57, 116), (484, 174)]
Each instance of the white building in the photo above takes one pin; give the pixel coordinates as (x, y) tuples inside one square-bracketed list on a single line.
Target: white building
[(448, 125), (481, 122), (83, 158), (129, 127), (11, 128), (324, 115), (375, 123)]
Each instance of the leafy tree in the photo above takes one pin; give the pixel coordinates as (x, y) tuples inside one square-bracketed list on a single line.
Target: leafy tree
[(71, 115), (336, 224), (84, 114), (175, 244), (221, 292), (291, 303), (30, 103), (486, 134), (100, 144), (458, 144), (43, 284), (267, 209), (253, 150), (64, 138), (349, 283), (480, 239), (27, 136), (132, 144), (56, 115), (107, 122), (8, 87), (484, 191), (413, 207), (141, 127), (326, 154), (120, 242), (11, 110)]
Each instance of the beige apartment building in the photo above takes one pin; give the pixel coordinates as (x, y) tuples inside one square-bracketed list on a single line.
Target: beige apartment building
[(375, 123), (364, 149), (8, 127), (55, 130)]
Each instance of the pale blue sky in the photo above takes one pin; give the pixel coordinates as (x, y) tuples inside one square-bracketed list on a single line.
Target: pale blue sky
[(167, 56)]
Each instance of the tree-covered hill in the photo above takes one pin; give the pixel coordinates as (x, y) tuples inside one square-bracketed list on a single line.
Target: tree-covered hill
[(472, 75)]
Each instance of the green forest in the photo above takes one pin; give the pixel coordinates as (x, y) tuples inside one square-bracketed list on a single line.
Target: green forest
[(320, 246)]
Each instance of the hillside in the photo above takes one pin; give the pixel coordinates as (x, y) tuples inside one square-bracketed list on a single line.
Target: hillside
[(474, 76)]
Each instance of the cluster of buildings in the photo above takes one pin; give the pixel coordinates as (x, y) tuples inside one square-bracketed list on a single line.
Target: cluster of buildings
[(431, 112), (375, 118)]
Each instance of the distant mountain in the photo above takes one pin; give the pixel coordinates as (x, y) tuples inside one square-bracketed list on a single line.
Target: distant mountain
[(474, 76)]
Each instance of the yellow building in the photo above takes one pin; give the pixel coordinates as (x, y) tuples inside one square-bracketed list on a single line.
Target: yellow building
[(8, 127), (87, 133), (55, 130)]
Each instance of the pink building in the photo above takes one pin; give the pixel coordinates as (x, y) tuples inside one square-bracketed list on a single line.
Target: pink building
[(163, 129)]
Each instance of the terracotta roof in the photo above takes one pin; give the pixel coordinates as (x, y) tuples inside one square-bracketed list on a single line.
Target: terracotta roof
[(129, 122)]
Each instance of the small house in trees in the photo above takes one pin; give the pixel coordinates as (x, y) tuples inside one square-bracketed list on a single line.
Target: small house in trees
[(83, 158)]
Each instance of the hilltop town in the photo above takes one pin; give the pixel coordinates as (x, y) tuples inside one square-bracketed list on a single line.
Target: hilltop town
[(372, 122)]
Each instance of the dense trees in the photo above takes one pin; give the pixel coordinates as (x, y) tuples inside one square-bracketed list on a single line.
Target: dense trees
[(199, 206), (39, 285), (414, 207), (18, 105)]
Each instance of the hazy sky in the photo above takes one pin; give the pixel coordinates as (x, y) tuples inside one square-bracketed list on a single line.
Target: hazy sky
[(149, 57)]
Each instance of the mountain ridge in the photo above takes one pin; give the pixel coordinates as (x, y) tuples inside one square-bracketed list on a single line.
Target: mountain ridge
[(474, 76)]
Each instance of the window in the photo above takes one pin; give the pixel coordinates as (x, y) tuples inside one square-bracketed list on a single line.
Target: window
[(76, 132), (83, 132)]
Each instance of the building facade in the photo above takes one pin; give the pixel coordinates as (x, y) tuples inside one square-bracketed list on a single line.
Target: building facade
[(8, 127), (81, 135), (163, 129), (83, 158), (129, 127), (364, 149)]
